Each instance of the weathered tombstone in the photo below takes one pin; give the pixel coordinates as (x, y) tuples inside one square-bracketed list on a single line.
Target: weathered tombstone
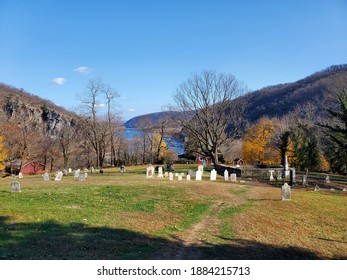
[(170, 176), (304, 180), (327, 179), (150, 171), (344, 189), (198, 175), (188, 177), (279, 175), (13, 176), (213, 176), (179, 177), (15, 186), (160, 172), (292, 177), (286, 193), (65, 172), (70, 170), (166, 174), (226, 175), (92, 170), (271, 175), (316, 188), (85, 175), (81, 177), (170, 167), (45, 176), (332, 189), (20, 175), (191, 173), (58, 176), (76, 173), (122, 168), (201, 169), (204, 164), (233, 177)]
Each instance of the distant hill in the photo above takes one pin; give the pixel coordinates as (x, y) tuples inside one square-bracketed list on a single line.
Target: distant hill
[(315, 90), (153, 118)]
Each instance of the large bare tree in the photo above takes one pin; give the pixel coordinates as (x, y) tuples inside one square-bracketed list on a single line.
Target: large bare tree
[(207, 115)]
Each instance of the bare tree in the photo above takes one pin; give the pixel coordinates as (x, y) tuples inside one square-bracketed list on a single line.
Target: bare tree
[(206, 115)]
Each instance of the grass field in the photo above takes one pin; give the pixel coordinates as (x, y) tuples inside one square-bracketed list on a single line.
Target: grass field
[(127, 216)]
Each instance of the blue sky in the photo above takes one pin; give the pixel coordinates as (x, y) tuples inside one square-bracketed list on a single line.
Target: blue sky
[(145, 49)]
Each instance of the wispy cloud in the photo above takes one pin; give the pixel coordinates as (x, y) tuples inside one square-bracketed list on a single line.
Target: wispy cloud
[(101, 105), (83, 70), (58, 81), (131, 110)]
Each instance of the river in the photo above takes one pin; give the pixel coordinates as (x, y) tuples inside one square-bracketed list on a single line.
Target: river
[(177, 146)]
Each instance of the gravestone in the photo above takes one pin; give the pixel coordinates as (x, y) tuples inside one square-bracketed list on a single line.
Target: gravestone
[(150, 171), (65, 172), (316, 188), (292, 177), (271, 175), (279, 175), (226, 175), (286, 193), (198, 175), (15, 186), (92, 170), (45, 176), (20, 175), (327, 179), (213, 176), (344, 189), (85, 175), (70, 170), (76, 173), (201, 169), (160, 172), (176, 174), (233, 177), (13, 176), (166, 174), (81, 177), (188, 177), (58, 176), (286, 167), (191, 173), (171, 176), (179, 177), (170, 167), (332, 189), (122, 168), (304, 180)]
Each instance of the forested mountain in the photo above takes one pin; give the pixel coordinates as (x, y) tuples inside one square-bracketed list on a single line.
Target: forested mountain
[(314, 92)]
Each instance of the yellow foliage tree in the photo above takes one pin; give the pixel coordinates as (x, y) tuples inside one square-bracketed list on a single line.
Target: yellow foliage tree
[(257, 146), (2, 153)]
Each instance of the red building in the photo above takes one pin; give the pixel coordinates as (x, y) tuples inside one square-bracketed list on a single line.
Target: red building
[(32, 167)]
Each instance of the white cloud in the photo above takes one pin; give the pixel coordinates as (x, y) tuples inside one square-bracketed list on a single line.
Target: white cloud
[(83, 70), (101, 105), (132, 110), (58, 81)]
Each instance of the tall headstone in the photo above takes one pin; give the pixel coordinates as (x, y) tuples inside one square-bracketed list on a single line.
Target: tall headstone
[(327, 179), (226, 175), (286, 192), (286, 167), (271, 175), (92, 170), (201, 169), (198, 175), (15, 186), (150, 171), (171, 176), (70, 170), (76, 173), (233, 177), (160, 172), (58, 176), (292, 177), (45, 176), (213, 176), (279, 175), (304, 180), (65, 172)]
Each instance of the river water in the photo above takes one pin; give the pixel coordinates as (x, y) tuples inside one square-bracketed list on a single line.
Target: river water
[(177, 146)]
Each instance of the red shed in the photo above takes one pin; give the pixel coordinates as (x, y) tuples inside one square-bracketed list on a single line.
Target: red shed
[(32, 167)]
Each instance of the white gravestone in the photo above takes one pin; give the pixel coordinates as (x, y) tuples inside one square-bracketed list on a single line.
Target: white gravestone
[(279, 175), (70, 170), (171, 176), (15, 186), (233, 177), (179, 177), (45, 176), (271, 175), (226, 175), (286, 193), (198, 175), (58, 176), (213, 176), (166, 174), (188, 177), (327, 179), (81, 178), (77, 173), (20, 175), (316, 188), (286, 167), (85, 175), (201, 168), (160, 172), (150, 171)]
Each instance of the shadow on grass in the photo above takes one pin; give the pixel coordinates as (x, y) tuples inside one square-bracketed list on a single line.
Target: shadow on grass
[(51, 240)]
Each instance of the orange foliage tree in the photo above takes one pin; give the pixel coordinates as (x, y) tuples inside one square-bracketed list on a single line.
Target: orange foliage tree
[(257, 146)]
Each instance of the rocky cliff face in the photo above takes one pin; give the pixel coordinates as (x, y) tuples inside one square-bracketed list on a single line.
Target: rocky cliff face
[(41, 115)]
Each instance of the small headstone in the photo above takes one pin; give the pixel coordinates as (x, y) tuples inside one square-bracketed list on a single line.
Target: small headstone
[(160, 172), (150, 171), (20, 175), (286, 193), (81, 177), (76, 173), (271, 175), (304, 180), (327, 179), (85, 175), (58, 176), (226, 175), (65, 172), (176, 174), (344, 189), (13, 176), (332, 189), (166, 174), (191, 173), (233, 177), (279, 175), (170, 176), (70, 170), (188, 177), (179, 177), (92, 170), (198, 175), (316, 188), (213, 176), (122, 168), (45, 176), (15, 186)]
